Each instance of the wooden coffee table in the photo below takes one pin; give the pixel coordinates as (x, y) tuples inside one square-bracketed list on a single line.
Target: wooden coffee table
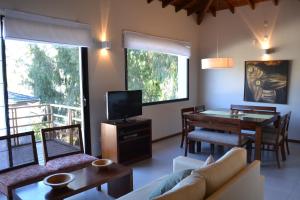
[(118, 178)]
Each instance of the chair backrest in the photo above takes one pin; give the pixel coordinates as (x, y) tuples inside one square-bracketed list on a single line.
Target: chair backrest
[(190, 110), (288, 118), (228, 125), (62, 141), (200, 108), (17, 151), (254, 109), (281, 129)]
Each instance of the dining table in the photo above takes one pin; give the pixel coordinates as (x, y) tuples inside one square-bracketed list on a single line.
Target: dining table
[(251, 123)]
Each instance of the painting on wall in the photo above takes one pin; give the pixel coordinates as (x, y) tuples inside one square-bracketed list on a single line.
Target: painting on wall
[(266, 81)]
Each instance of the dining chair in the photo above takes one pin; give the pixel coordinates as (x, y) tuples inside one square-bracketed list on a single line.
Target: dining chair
[(19, 162), (276, 138), (186, 111), (286, 136), (223, 132), (63, 148), (183, 125), (254, 109), (271, 130)]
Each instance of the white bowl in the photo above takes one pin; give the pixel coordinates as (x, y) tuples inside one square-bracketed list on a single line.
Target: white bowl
[(102, 163), (59, 180)]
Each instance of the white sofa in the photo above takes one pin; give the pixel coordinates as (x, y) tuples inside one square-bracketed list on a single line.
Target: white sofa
[(244, 182)]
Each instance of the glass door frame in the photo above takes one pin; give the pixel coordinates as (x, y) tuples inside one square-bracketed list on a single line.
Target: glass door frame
[(84, 85)]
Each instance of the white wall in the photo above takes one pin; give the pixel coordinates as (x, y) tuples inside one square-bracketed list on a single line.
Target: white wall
[(220, 88), (107, 71)]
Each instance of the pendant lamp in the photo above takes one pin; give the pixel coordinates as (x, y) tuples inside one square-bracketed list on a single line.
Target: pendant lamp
[(217, 62)]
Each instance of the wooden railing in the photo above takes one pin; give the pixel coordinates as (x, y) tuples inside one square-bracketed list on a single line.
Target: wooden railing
[(24, 118)]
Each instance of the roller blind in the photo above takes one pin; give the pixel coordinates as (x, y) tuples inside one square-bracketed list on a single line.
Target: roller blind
[(27, 26), (134, 40)]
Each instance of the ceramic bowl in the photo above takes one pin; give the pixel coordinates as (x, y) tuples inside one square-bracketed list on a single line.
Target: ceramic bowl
[(102, 163), (59, 180)]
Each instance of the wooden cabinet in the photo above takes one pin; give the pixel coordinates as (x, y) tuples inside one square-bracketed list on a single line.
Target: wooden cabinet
[(126, 142)]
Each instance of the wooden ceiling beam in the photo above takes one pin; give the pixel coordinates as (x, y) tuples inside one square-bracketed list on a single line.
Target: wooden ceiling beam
[(149, 1), (182, 6), (195, 8), (230, 6), (165, 3), (276, 2), (251, 3), (213, 11), (201, 15)]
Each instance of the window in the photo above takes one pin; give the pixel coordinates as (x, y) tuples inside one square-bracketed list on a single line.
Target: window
[(157, 66), (162, 77), (43, 74)]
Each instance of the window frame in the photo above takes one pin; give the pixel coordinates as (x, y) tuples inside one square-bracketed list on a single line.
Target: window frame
[(165, 101), (84, 87)]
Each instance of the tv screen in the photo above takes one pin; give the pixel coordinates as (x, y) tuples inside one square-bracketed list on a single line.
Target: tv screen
[(123, 104)]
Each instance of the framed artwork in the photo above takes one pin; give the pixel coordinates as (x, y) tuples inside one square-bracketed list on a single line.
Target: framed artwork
[(266, 81)]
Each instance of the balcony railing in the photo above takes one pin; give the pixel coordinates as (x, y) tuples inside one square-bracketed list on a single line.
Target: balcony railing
[(33, 117)]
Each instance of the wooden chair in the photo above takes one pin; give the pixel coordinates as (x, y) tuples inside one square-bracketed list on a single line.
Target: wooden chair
[(272, 129), (276, 138), (286, 137), (63, 148), (224, 132), (186, 111), (257, 110), (254, 109), (19, 162)]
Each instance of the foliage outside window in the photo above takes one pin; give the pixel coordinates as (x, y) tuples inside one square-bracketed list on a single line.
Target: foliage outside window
[(162, 77)]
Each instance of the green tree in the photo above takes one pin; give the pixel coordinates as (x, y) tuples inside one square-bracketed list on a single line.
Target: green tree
[(44, 76), (68, 64), (154, 73), (55, 79)]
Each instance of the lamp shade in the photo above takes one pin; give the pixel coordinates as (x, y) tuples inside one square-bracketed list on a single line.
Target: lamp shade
[(217, 63)]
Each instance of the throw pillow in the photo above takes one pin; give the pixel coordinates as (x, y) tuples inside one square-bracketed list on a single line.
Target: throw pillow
[(192, 187), (169, 183), (209, 161)]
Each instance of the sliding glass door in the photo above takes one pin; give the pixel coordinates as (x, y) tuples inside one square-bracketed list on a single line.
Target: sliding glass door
[(3, 108), (46, 85)]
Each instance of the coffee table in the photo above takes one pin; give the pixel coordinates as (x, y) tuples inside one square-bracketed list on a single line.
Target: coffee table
[(118, 178)]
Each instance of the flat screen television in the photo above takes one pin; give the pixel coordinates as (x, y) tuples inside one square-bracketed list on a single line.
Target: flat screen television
[(123, 104)]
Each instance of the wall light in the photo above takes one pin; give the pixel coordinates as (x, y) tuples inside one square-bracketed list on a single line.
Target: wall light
[(105, 44)]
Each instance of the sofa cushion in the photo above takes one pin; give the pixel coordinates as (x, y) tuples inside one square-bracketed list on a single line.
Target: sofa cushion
[(70, 162), (170, 182), (191, 187), (222, 170), (20, 175)]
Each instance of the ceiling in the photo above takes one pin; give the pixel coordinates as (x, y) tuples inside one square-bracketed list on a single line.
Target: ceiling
[(203, 7)]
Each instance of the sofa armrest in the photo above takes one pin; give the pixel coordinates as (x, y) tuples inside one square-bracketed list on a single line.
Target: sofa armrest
[(182, 163)]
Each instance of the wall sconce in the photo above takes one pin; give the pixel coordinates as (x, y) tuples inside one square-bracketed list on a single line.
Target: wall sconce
[(105, 45)]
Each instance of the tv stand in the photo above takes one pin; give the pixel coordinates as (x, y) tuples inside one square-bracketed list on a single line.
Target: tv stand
[(126, 142)]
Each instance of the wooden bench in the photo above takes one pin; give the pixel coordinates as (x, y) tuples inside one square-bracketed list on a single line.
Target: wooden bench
[(220, 131)]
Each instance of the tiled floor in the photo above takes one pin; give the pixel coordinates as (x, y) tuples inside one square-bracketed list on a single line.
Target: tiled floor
[(280, 184)]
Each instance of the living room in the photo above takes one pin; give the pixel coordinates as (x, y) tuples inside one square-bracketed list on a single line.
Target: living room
[(238, 34)]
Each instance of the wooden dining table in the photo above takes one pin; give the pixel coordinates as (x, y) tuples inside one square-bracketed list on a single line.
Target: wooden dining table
[(253, 122)]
